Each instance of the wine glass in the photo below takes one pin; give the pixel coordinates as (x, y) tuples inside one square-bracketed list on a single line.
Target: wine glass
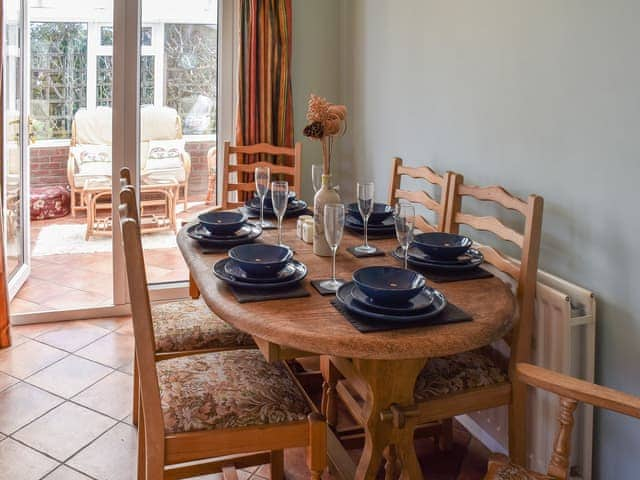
[(316, 177), (262, 176), (333, 227), (404, 218), (365, 205), (280, 198)]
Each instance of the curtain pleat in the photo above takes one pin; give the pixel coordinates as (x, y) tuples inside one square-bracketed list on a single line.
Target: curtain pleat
[(5, 339), (265, 102)]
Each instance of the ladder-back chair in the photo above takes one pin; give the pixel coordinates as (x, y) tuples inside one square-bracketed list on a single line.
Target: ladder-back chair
[(244, 185), (421, 197), (259, 406)]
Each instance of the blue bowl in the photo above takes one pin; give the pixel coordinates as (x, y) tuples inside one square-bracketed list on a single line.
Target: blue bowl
[(261, 260), (380, 212), (442, 245), (222, 222), (389, 285)]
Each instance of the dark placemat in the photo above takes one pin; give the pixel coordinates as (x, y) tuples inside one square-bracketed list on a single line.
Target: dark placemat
[(252, 215), (246, 295), (445, 277), (372, 235), (451, 314), (378, 253), (320, 290)]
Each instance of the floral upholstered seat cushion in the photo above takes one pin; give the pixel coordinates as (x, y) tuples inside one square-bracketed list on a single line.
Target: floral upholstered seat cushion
[(228, 389), (190, 325), (501, 468), (456, 373)]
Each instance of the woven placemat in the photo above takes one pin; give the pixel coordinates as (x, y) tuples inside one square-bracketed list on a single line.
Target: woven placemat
[(247, 295), (451, 314)]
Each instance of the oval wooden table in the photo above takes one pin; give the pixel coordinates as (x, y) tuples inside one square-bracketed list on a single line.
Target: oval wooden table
[(386, 363)]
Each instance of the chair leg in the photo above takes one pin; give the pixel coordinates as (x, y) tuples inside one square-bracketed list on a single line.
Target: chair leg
[(142, 457), (136, 392), (445, 438), (186, 196), (194, 291), (330, 376), (277, 465), (317, 449), (518, 424)]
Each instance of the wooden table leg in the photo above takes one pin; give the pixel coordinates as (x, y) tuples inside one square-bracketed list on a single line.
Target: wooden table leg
[(390, 415)]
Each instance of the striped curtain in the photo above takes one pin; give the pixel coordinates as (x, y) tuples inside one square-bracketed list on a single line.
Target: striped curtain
[(5, 339), (265, 104)]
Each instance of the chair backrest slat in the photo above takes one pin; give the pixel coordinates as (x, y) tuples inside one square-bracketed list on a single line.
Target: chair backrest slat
[(524, 271), (290, 168), (141, 313), (420, 197)]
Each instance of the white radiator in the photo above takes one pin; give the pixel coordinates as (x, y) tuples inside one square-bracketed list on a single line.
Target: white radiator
[(564, 341)]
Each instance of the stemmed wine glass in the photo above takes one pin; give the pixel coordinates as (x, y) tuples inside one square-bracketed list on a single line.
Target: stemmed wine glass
[(316, 177), (333, 227), (365, 205), (262, 176), (280, 198), (404, 219)]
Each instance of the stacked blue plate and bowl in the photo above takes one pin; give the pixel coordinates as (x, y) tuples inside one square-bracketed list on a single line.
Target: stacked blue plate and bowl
[(223, 229), (295, 207), (446, 252), (380, 223), (260, 267), (390, 294)]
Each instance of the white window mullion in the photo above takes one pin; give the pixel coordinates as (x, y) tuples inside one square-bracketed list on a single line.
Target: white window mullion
[(93, 40), (158, 79)]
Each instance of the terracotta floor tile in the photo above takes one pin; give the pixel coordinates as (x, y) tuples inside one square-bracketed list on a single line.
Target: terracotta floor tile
[(110, 457), (110, 323), (64, 430), (22, 463), (96, 282), (36, 329), (19, 305), (69, 376), (26, 359), (42, 291), (75, 299), (126, 329), (65, 473), (112, 395), (73, 338), (23, 403), (114, 350), (7, 381)]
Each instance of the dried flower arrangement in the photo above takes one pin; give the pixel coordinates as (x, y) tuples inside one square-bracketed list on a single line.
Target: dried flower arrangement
[(326, 122)]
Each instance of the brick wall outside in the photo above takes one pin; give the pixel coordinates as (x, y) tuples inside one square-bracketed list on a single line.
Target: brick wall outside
[(49, 166)]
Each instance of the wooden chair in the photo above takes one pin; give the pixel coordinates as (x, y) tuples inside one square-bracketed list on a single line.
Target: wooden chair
[(445, 387), (211, 184), (571, 391), (182, 327), (420, 197), (230, 404), (244, 185)]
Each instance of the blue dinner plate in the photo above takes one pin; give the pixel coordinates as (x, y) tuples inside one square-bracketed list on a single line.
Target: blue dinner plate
[(345, 298), (264, 284), (417, 258), (244, 231), (387, 223), (417, 304), (234, 269), (294, 207), (217, 242)]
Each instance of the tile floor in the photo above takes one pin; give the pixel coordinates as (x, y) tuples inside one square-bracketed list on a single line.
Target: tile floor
[(65, 410), (61, 282)]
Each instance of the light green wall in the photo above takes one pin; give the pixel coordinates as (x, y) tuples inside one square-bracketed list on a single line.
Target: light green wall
[(315, 69), (541, 96)]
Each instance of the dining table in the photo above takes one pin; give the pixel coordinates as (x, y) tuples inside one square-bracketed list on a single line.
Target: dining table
[(385, 363)]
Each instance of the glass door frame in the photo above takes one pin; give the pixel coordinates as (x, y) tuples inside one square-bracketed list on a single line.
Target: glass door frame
[(19, 277), (127, 22)]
